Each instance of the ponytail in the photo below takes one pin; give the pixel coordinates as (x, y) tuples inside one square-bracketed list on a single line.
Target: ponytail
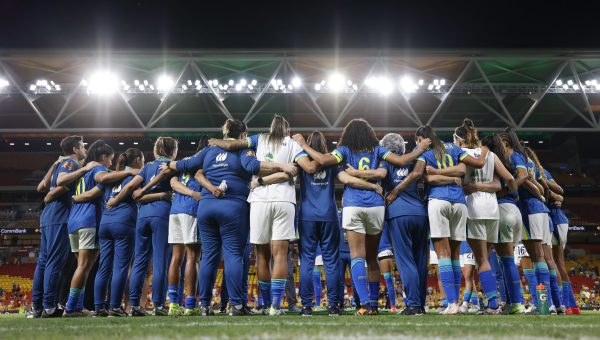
[(127, 157), (97, 150), (436, 144), (165, 147), (280, 128), (512, 139), (468, 134), (531, 154)]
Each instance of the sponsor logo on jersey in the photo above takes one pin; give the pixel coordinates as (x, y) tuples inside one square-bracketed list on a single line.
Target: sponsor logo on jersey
[(320, 175), (402, 172), (221, 157)]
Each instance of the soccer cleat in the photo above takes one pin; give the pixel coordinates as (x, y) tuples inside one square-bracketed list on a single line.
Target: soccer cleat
[(576, 310), (261, 311), (116, 313), (191, 311), (334, 311), (394, 309), (473, 310), (373, 311), (207, 311), (74, 314), (306, 311), (100, 313), (489, 311), (241, 311), (318, 309), (295, 309), (137, 312), (569, 311), (175, 309), (58, 313), (532, 311), (412, 311), (362, 312), (160, 311), (247, 310), (561, 310), (452, 309), (516, 309), (552, 310), (276, 312), (223, 310), (36, 314), (464, 308)]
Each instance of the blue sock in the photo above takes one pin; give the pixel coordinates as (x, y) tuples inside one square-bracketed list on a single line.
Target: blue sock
[(277, 288), (73, 300), (497, 268), (474, 299), (318, 286), (565, 294), (444, 302), (447, 278), (265, 291), (543, 276), (532, 283), (572, 296), (467, 295), (190, 302), (389, 283), (522, 295), (554, 290), (374, 294), (173, 293), (81, 298), (488, 284), (260, 300), (457, 278), (512, 278), (359, 279)]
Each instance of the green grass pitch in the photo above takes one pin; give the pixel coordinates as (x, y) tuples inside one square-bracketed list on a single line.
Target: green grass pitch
[(585, 326)]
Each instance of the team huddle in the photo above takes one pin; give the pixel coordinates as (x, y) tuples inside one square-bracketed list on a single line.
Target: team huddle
[(484, 204)]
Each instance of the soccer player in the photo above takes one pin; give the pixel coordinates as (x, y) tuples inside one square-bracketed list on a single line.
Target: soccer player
[(84, 219), (183, 236), (363, 210), (225, 190), (151, 230), (117, 237), (272, 210), (533, 211), (468, 265), (447, 210), (54, 243), (408, 226), (385, 257)]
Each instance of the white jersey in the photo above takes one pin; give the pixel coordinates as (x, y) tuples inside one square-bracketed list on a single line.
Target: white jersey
[(285, 153), (481, 205)]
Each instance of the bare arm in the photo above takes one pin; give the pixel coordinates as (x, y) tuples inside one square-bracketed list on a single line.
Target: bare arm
[(158, 196), (67, 178), (205, 183), (44, 184), (554, 187), (458, 170), (478, 162), (491, 187), (534, 190), (178, 187), (278, 177), (125, 191), (55, 193), (268, 168), (377, 174), (358, 183), (442, 180), (406, 159), (114, 176), (414, 176), (89, 195), (308, 165), (229, 145), (508, 178), (321, 159)]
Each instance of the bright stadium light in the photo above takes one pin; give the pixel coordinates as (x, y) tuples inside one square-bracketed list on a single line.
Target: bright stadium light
[(296, 82), (443, 82), (336, 82), (436, 82), (136, 82), (32, 87), (317, 87), (164, 83), (253, 82), (383, 85), (243, 82), (594, 82), (189, 82), (569, 82), (565, 86), (3, 83), (102, 82), (238, 87), (421, 82), (430, 87), (230, 83), (575, 87), (215, 82), (559, 82), (407, 84)]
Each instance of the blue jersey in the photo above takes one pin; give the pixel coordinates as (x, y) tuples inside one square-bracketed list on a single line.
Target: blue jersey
[(234, 167), (408, 202), (530, 204), (156, 208), (556, 214), (518, 161), (126, 211), (317, 194), (86, 214), (57, 211), (448, 192), (183, 204), (361, 160), (464, 248)]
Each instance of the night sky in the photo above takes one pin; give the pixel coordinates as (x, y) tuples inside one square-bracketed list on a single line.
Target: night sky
[(298, 24)]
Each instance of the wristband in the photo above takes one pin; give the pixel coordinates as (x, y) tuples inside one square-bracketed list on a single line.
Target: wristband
[(261, 181)]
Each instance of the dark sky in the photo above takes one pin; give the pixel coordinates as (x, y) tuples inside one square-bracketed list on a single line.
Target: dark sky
[(298, 24)]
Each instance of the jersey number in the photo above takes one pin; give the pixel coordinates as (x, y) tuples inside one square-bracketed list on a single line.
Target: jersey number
[(362, 165), (447, 163), (80, 186)]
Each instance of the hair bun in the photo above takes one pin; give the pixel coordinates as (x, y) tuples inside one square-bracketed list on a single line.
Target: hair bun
[(468, 123)]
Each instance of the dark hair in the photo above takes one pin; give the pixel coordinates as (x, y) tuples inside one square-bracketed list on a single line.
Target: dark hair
[(96, 150), (316, 140), (280, 128), (127, 157), (165, 146), (233, 128), (531, 154), (358, 135), (468, 133), (494, 143), (68, 143), (510, 137), (202, 143), (436, 143)]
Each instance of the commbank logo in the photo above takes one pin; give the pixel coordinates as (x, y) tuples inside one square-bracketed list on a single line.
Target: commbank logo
[(319, 175), (402, 172), (221, 157)]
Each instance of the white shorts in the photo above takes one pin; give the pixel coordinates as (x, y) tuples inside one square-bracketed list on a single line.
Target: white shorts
[(363, 220), (467, 259), (84, 238), (510, 223), (520, 252), (483, 230), (183, 229), (447, 219), (385, 254), (563, 230), (539, 227), (433, 259), (271, 221), (319, 260)]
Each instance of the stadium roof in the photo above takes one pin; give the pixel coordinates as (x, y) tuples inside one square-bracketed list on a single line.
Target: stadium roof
[(196, 90)]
